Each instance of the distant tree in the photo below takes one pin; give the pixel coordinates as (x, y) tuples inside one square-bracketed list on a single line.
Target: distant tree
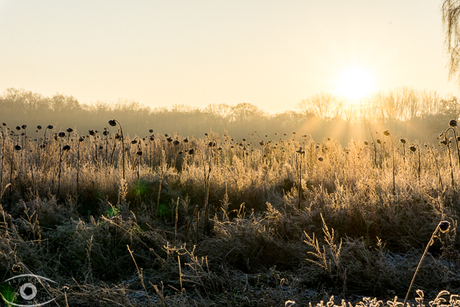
[(222, 110), (287, 121), (65, 104), (430, 103), (409, 103), (244, 112), (322, 105), (20, 101)]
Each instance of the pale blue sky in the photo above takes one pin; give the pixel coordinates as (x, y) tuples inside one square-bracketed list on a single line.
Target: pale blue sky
[(268, 53)]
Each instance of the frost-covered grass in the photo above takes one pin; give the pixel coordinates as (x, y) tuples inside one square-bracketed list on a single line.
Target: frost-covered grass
[(224, 222)]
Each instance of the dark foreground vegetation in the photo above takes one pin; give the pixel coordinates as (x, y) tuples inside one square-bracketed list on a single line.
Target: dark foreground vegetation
[(172, 220)]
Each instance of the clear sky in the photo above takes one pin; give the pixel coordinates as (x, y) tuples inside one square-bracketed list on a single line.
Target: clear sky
[(268, 53)]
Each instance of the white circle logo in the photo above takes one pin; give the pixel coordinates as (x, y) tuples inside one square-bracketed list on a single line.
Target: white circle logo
[(28, 291)]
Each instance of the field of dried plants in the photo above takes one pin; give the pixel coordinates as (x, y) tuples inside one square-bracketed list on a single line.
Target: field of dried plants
[(166, 220)]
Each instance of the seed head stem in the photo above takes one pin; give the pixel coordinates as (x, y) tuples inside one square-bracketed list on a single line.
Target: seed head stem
[(112, 123), (443, 226)]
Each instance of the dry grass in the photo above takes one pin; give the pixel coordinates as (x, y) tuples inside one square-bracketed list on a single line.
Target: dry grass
[(222, 226)]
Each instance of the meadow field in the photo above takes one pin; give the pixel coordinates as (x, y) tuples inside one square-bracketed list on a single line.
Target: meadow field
[(168, 220), (235, 154)]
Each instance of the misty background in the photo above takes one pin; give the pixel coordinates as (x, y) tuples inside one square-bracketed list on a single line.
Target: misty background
[(418, 116)]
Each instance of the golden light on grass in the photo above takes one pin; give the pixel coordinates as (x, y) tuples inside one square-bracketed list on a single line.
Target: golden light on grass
[(355, 83)]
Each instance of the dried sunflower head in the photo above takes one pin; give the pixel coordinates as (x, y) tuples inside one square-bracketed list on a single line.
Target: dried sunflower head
[(444, 226)]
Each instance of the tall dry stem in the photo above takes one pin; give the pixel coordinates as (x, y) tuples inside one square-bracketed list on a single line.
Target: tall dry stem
[(113, 123), (443, 227)]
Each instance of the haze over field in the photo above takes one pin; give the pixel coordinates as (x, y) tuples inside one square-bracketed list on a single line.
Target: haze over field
[(270, 54)]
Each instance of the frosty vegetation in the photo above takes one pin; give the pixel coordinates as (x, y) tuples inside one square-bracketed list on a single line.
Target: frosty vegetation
[(207, 218)]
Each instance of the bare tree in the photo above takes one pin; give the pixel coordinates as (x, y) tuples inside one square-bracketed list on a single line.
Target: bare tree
[(323, 105)]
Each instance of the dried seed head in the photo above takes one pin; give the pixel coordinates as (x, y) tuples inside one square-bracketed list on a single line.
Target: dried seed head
[(18, 128), (378, 141), (134, 141), (39, 127), (176, 142), (112, 122), (106, 132), (139, 153), (69, 130), (17, 147), (24, 127), (169, 139), (49, 127), (152, 138), (61, 134), (453, 123), (444, 226), (403, 141), (185, 140), (413, 148), (366, 143), (444, 142), (92, 132), (320, 159), (191, 151), (16, 268), (81, 139), (66, 147)]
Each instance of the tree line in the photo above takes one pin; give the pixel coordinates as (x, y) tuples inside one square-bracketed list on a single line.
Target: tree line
[(412, 114)]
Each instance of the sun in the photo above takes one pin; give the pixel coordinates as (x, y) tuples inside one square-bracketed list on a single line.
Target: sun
[(355, 83)]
